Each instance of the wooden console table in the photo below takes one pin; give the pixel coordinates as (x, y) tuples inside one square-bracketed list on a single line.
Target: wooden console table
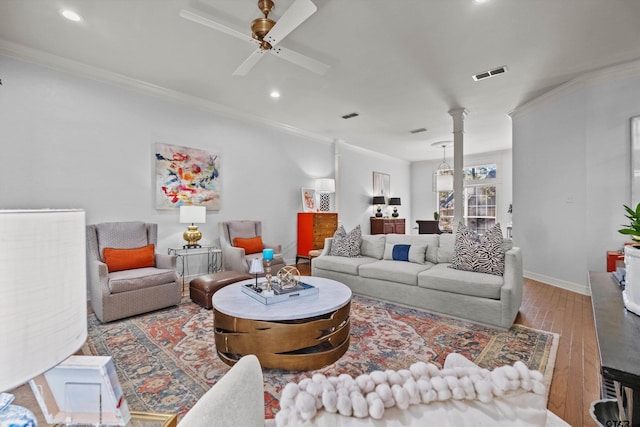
[(618, 334)]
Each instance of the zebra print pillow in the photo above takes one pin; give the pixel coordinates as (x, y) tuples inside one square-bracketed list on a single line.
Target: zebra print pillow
[(346, 244), (481, 254)]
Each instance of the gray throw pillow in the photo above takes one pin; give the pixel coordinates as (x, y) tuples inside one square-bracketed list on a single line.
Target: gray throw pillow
[(346, 244), (481, 254)]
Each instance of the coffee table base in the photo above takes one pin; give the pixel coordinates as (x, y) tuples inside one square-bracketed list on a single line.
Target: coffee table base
[(301, 344)]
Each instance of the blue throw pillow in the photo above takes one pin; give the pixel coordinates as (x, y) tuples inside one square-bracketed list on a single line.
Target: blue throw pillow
[(401, 252)]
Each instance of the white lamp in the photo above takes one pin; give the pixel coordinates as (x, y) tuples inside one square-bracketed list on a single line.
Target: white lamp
[(324, 187), (192, 215), (256, 268), (443, 176), (43, 309)]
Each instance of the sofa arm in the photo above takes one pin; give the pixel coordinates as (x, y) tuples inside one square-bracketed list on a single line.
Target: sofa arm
[(98, 281), (511, 292), (234, 259), (236, 400), (277, 249), (166, 261)]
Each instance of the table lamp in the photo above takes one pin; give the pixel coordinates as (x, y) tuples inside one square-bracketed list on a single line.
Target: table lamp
[(395, 202), (191, 215), (378, 200), (43, 309), (256, 268), (325, 187)]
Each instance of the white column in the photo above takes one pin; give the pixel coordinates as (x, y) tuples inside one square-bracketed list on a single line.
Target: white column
[(458, 115)]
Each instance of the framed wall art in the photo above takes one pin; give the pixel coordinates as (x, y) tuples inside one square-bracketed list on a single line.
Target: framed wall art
[(186, 176), (308, 200)]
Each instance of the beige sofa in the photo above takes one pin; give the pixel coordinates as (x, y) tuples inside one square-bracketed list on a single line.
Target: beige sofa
[(427, 282)]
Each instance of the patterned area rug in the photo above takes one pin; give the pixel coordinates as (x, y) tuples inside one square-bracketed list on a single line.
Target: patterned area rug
[(166, 360)]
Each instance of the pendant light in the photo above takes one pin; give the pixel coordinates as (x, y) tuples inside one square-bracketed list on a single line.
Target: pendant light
[(443, 176)]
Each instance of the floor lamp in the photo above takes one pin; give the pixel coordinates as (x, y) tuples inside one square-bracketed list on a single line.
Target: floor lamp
[(43, 309)]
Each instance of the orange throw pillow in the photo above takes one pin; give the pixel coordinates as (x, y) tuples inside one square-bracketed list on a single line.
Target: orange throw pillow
[(250, 246), (126, 259)]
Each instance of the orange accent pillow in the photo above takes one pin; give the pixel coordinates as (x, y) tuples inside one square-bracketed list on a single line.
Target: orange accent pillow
[(127, 259), (252, 245)]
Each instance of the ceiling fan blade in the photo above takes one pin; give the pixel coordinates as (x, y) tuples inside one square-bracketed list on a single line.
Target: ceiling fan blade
[(301, 60), (248, 63), (192, 16), (299, 11)]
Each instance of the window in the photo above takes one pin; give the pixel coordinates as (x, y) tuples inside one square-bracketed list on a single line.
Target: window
[(479, 200)]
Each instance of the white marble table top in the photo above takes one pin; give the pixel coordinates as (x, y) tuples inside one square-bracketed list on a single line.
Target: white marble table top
[(331, 296)]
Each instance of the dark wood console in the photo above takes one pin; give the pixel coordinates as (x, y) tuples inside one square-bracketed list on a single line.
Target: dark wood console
[(618, 334)]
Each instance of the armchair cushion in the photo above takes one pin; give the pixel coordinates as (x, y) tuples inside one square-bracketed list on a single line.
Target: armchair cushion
[(250, 245), (139, 278), (123, 235), (242, 229), (126, 259)]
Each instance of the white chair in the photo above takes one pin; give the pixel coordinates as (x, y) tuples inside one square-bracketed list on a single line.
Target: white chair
[(236, 258)]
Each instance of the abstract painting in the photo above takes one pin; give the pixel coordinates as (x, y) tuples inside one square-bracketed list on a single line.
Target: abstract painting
[(186, 176)]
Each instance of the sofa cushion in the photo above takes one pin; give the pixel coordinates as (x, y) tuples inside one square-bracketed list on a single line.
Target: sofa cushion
[(139, 278), (404, 252), (346, 244), (445, 248), (250, 245), (123, 235), (442, 278), (339, 264), (428, 240), (482, 254), (127, 259), (393, 271), (372, 245)]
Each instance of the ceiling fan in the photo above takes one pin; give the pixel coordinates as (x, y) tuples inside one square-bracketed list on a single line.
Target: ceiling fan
[(267, 33)]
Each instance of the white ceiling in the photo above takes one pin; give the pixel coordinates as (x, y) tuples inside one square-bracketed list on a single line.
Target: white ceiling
[(400, 64)]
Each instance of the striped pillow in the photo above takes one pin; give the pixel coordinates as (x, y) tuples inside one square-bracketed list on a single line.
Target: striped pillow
[(481, 254), (346, 244)]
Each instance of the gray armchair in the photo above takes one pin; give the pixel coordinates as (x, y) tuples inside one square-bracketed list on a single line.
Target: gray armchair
[(118, 294), (235, 258)]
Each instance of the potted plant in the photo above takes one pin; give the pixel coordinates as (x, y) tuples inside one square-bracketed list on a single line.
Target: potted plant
[(436, 216), (633, 229)]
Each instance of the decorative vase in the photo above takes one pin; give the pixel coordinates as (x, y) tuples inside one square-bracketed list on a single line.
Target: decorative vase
[(631, 292), (15, 416)]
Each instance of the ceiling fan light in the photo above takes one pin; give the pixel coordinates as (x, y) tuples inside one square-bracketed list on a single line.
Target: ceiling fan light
[(260, 27)]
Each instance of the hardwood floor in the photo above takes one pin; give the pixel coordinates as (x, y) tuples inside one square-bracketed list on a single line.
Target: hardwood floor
[(576, 376)]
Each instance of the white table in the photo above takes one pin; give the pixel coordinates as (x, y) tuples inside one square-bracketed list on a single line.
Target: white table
[(300, 334)]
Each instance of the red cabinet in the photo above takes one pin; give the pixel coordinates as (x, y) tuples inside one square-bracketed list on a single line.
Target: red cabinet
[(313, 228)]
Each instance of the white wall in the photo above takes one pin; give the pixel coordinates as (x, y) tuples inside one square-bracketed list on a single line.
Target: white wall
[(355, 167), (423, 199), (571, 151), (68, 141)]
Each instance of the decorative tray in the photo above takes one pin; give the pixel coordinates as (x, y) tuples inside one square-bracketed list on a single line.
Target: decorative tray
[(280, 294)]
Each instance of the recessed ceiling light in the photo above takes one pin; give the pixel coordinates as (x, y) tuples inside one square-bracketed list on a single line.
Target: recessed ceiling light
[(71, 15), (481, 1), (275, 94)]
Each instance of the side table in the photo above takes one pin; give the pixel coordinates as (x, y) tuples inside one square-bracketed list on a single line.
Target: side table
[(214, 259)]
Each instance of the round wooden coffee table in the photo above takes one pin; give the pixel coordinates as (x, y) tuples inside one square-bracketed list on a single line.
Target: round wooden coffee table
[(305, 333)]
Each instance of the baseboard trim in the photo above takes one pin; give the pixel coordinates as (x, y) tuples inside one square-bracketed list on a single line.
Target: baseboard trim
[(563, 284)]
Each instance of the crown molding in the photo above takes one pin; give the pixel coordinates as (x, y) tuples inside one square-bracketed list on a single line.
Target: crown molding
[(618, 71), (59, 63)]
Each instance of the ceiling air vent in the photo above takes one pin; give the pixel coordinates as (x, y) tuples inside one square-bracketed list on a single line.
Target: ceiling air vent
[(490, 73), (419, 130), (350, 115)]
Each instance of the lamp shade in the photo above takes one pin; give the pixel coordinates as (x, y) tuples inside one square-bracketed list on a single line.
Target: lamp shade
[(43, 309), (325, 185), (193, 214), (256, 266), (444, 182), (394, 201), (378, 200)]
